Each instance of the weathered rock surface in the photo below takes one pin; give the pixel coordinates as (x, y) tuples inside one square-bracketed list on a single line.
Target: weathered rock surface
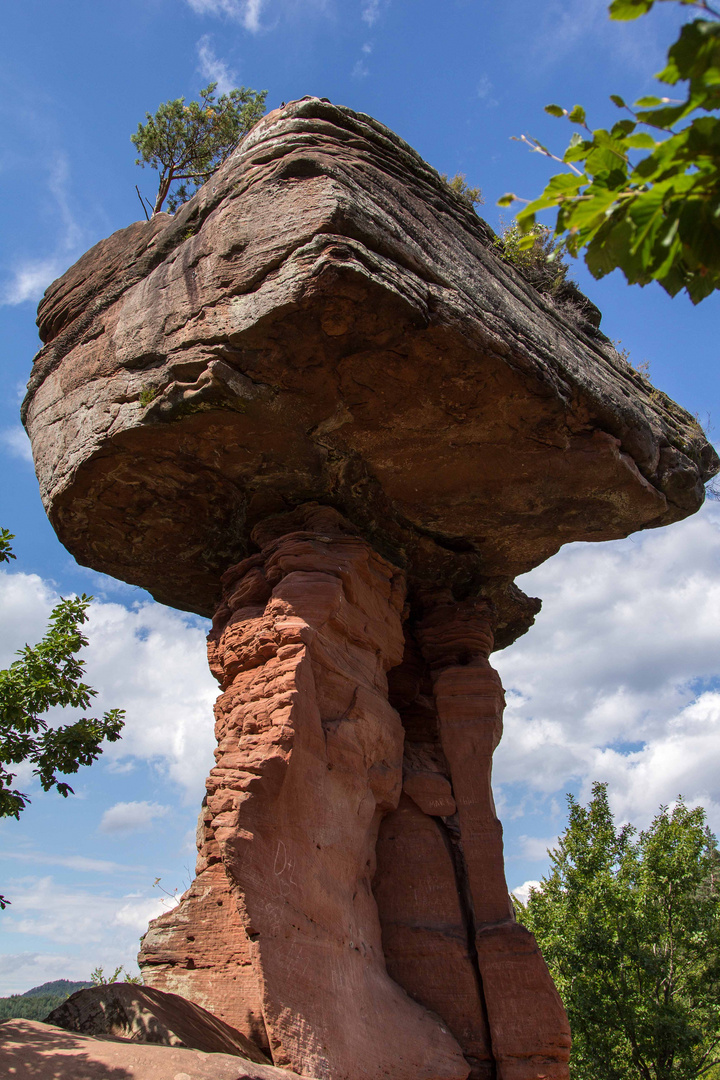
[(147, 1015), (319, 405), (309, 759), (326, 320), (36, 1051)]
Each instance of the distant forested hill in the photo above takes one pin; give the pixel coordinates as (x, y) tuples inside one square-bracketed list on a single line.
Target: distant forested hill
[(35, 1004)]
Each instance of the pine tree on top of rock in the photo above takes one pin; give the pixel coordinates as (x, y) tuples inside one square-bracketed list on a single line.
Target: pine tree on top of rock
[(187, 143)]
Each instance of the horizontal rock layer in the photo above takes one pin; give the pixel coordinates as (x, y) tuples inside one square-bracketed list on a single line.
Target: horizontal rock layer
[(326, 320)]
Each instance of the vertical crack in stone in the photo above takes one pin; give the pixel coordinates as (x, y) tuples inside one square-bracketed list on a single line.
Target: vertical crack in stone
[(450, 832), (528, 1027)]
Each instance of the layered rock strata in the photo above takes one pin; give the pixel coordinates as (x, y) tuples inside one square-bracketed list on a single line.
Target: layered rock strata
[(337, 888)]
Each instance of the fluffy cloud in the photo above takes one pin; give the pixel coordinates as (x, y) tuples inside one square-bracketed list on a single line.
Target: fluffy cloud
[(213, 68), (523, 891), (30, 278), (15, 439), (618, 680), (94, 929), (130, 817), (148, 659)]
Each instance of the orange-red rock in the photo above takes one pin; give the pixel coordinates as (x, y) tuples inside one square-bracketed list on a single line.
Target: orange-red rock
[(309, 760)]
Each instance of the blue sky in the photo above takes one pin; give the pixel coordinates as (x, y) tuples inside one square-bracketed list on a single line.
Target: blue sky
[(618, 681)]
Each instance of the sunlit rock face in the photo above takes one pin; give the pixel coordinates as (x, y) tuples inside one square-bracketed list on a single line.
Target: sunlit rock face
[(318, 406)]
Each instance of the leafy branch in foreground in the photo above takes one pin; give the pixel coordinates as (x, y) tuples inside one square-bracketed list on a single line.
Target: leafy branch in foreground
[(46, 676), (657, 216), (187, 143)]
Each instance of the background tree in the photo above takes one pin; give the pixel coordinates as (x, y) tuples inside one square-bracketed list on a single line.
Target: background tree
[(655, 216), (187, 143), (630, 929), (45, 676)]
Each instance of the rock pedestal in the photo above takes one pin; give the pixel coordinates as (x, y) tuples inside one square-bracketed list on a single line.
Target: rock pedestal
[(319, 386), (362, 918)]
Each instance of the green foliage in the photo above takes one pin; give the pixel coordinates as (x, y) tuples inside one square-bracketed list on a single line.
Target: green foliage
[(644, 195), (148, 394), (35, 1004), (46, 676), (6, 553), (29, 1008), (187, 143), (472, 195), (630, 928), (541, 262), (97, 978)]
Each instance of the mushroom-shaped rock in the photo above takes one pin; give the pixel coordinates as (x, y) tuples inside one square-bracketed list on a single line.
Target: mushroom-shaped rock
[(320, 406)]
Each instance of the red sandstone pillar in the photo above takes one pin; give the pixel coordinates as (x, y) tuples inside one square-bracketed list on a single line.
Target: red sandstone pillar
[(529, 1032), (309, 760)]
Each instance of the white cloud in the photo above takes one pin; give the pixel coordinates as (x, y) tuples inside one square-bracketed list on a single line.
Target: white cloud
[(147, 659), (360, 70), (523, 891), (72, 862), (95, 928), (213, 68), (20, 971), (31, 276), (246, 12), (370, 11), (16, 440), (129, 817), (618, 681)]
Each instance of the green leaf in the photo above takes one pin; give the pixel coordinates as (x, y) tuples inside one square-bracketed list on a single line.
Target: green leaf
[(617, 100), (649, 102), (629, 9), (641, 141), (555, 110), (577, 115), (507, 199)]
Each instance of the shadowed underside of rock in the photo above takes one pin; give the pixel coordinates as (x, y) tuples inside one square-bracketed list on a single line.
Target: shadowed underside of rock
[(318, 405)]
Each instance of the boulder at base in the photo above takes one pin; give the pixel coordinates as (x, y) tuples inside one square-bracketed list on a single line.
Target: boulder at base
[(145, 1015), (30, 1049)]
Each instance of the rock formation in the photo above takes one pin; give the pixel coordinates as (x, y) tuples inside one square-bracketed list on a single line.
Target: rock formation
[(319, 406), (38, 1051), (147, 1015)]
